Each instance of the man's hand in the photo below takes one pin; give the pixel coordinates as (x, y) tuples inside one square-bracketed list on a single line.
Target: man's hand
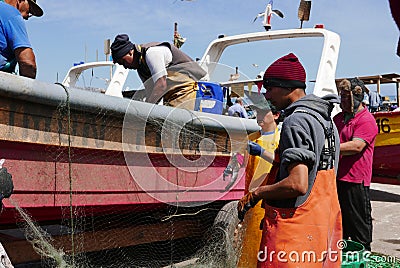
[(254, 148), (247, 202), (6, 184)]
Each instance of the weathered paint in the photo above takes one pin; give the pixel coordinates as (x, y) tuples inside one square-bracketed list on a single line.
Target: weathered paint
[(34, 138), (386, 163)]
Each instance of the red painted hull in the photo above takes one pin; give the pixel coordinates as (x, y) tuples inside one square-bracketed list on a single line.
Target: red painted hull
[(102, 182), (101, 154), (386, 164)]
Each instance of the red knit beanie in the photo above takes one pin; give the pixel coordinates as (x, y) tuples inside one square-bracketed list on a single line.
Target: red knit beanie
[(286, 72)]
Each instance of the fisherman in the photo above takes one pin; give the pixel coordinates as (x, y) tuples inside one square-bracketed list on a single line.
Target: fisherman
[(166, 71), (237, 109), (374, 101), (14, 43), (302, 212), (268, 118), (357, 130)]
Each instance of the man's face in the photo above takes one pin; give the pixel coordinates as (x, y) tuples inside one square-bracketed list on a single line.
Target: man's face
[(23, 7), (129, 61), (264, 120), (278, 97)]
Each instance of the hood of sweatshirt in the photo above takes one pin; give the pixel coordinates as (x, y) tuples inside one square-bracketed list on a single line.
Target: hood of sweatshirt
[(321, 105)]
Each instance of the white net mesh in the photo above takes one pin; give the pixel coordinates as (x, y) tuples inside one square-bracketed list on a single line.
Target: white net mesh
[(96, 187)]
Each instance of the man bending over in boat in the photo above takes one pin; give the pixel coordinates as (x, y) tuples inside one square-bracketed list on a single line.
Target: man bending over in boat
[(14, 43), (166, 71)]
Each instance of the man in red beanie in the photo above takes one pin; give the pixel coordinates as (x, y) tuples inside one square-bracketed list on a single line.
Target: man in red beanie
[(302, 212)]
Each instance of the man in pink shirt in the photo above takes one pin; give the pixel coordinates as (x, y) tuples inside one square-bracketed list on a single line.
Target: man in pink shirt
[(357, 130)]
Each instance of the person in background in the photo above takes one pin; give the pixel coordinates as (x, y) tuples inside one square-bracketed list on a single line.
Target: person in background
[(357, 130), (268, 118), (237, 109), (374, 101), (302, 212), (366, 100), (166, 71), (14, 43), (267, 139)]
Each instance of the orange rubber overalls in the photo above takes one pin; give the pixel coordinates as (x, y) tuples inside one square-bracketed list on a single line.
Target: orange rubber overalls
[(306, 236)]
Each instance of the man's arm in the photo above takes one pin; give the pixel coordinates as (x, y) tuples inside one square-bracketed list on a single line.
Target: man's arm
[(245, 115), (26, 62), (354, 146), (294, 185), (157, 58), (267, 156), (160, 87)]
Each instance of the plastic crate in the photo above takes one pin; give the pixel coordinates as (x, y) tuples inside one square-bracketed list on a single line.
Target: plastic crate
[(353, 255), (209, 98)]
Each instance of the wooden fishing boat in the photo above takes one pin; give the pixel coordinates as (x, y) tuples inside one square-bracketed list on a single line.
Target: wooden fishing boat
[(74, 147)]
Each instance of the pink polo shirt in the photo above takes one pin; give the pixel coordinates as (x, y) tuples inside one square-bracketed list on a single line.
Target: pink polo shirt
[(357, 168)]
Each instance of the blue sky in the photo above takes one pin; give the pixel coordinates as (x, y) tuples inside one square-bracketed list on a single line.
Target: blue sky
[(71, 31)]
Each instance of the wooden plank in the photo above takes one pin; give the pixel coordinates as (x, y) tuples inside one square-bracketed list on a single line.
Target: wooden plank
[(21, 251)]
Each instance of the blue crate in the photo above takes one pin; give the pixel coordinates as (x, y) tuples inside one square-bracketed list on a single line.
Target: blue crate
[(209, 98)]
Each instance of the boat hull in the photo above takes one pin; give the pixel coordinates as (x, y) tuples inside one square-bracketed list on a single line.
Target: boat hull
[(386, 163), (95, 153)]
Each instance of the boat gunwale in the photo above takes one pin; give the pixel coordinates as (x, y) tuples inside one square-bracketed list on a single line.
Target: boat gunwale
[(34, 91)]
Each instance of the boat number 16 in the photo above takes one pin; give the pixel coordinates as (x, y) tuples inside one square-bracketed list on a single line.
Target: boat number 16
[(383, 125)]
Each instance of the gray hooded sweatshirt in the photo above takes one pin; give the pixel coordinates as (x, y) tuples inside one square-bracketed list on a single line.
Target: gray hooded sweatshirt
[(303, 138)]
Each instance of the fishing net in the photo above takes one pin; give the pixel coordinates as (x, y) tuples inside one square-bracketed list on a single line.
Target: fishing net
[(109, 186)]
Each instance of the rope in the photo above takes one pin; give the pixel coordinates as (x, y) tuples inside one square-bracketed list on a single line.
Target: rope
[(70, 171)]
